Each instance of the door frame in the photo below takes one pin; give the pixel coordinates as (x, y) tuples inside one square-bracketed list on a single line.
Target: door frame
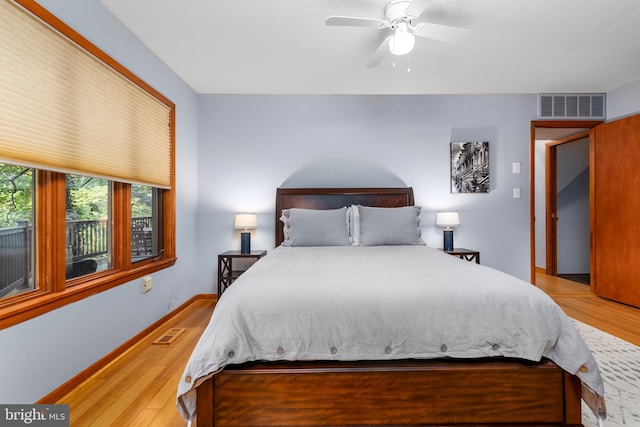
[(582, 124)]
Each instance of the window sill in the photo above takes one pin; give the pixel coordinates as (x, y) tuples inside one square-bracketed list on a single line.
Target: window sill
[(37, 303)]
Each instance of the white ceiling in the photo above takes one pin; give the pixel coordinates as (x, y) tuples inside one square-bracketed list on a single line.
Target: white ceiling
[(284, 46)]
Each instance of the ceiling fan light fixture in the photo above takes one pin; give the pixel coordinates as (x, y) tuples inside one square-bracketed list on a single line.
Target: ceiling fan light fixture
[(402, 41)]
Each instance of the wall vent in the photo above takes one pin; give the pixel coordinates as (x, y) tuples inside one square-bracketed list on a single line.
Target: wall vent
[(574, 106)]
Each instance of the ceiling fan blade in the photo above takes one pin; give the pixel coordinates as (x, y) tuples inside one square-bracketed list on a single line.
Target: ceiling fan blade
[(380, 53), (440, 32), (351, 21), (417, 7)]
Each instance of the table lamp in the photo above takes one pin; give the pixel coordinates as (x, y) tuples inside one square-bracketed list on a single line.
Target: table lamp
[(245, 222), (448, 220)]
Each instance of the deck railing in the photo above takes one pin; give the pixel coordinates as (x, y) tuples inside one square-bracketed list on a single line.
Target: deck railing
[(15, 267), (85, 239)]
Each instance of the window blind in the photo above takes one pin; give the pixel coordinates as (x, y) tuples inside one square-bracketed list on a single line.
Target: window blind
[(64, 109)]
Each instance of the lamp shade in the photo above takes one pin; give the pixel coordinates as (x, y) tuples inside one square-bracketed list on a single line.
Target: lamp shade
[(402, 41), (447, 219), (245, 221)]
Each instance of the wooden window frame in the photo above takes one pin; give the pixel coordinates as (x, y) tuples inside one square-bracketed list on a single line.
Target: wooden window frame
[(53, 290)]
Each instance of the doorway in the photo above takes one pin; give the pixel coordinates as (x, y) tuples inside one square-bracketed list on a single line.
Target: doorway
[(552, 174), (567, 205)]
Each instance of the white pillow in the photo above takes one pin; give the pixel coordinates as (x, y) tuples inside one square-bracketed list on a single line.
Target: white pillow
[(316, 227), (354, 225), (386, 226)]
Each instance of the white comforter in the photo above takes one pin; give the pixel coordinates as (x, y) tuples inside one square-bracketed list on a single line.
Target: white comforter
[(383, 302)]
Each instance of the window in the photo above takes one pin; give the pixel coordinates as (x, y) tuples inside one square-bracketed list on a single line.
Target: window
[(145, 222), (87, 226), (48, 216), (76, 218), (16, 230)]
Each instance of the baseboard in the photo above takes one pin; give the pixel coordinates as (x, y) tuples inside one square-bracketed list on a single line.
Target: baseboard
[(78, 379)]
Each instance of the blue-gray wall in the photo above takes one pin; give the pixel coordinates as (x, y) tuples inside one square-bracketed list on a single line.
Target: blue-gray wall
[(250, 145), (624, 100)]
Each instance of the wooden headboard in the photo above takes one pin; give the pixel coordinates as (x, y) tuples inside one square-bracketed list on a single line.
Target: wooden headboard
[(335, 198)]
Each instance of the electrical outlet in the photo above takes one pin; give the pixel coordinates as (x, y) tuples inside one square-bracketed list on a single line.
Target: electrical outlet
[(147, 284)]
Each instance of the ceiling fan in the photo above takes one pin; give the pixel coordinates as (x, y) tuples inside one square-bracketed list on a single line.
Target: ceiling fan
[(400, 18)]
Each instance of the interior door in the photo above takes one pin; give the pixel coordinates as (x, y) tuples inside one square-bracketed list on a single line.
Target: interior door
[(615, 216)]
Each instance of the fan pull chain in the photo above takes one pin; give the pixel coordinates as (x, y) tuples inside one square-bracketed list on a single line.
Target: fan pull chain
[(393, 64)]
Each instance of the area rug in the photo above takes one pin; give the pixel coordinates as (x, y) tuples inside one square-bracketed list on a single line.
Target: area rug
[(619, 363)]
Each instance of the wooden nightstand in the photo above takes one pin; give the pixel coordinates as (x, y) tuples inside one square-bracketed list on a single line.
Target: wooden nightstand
[(466, 254), (226, 273)]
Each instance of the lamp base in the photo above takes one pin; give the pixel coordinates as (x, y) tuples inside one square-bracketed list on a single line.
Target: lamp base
[(448, 240), (245, 242)]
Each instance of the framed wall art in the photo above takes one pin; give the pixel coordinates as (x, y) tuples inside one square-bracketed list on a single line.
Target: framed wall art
[(469, 167)]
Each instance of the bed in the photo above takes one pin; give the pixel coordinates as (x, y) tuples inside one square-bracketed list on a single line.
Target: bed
[(273, 356)]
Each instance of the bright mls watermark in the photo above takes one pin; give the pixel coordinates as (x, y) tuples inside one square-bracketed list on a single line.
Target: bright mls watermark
[(34, 415)]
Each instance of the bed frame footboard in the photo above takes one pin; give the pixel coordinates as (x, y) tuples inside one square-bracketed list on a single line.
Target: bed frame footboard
[(428, 393)]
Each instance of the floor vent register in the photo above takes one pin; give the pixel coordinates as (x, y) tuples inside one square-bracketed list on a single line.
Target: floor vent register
[(169, 337)]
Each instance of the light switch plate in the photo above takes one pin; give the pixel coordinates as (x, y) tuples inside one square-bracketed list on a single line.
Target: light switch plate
[(516, 167)]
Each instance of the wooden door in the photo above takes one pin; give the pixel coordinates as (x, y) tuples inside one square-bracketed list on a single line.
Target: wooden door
[(615, 215), (551, 209)]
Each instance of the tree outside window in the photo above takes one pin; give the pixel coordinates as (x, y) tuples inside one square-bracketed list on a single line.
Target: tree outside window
[(16, 231)]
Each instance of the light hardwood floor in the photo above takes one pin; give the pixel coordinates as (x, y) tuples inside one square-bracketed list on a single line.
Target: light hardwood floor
[(138, 388), (579, 303)]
